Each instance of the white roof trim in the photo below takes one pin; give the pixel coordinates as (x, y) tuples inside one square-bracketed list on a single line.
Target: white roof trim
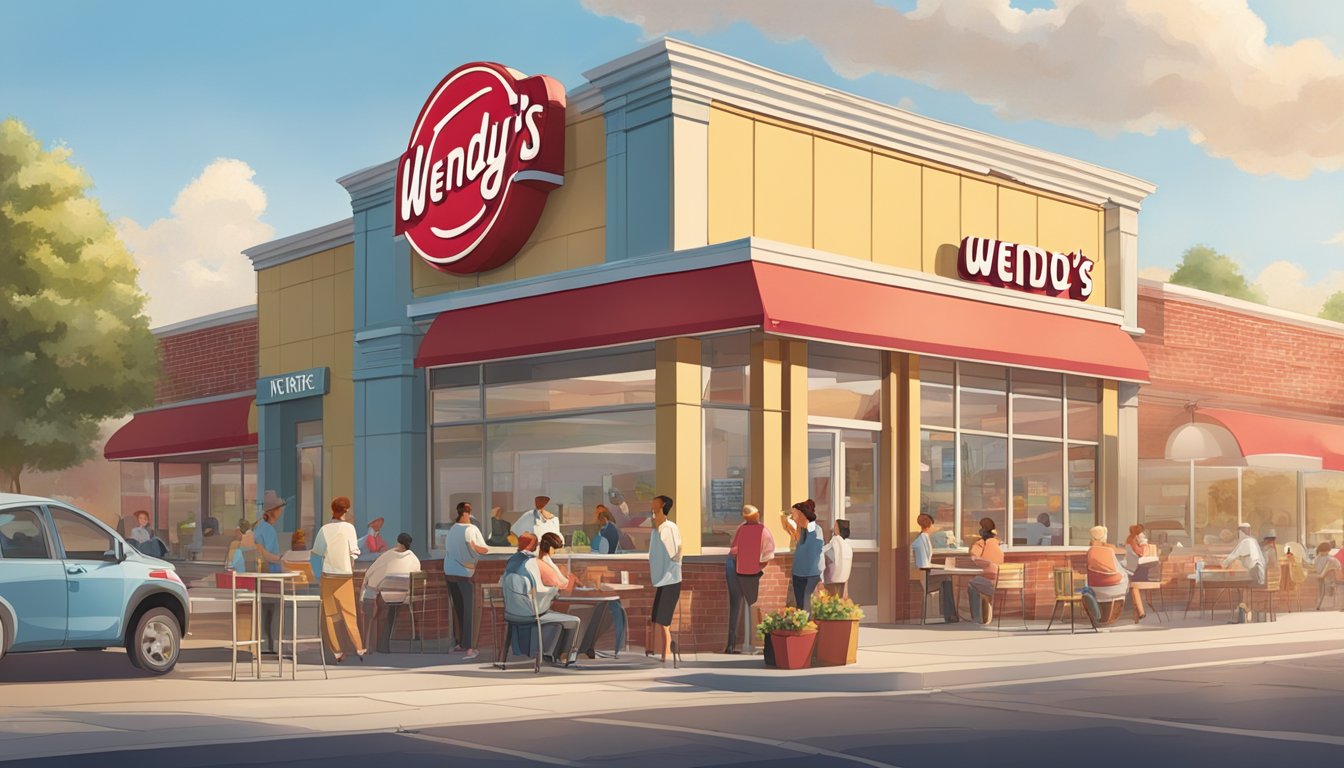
[(765, 251), (297, 246), (367, 178), (698, 73), (199, 401), (226, 317), (1207, 298)]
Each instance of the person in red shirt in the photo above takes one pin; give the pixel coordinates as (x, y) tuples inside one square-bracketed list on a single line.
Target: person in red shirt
[(752, 547)]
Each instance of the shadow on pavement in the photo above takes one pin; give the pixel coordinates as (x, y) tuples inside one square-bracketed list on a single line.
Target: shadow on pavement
[(791, 682), (68, 666)]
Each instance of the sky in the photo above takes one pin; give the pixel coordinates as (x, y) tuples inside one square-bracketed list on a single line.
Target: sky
[(208, 128)]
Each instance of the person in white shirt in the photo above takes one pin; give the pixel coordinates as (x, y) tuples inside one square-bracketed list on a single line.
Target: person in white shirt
[(837, 556), (337, 543), (388, 578), (465, 545), (664, 571), (1248, 553), (141, 533), (537, 521), (922, 550)]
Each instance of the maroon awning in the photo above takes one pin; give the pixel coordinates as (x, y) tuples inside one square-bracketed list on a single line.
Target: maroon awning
[(194, 428), (785, 301)]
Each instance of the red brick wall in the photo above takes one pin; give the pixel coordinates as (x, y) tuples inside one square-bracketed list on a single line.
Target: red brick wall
[(210, 361), (1224, 354)]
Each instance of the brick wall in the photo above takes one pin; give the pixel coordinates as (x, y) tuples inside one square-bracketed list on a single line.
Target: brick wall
[(1237, 357), (208, 361)]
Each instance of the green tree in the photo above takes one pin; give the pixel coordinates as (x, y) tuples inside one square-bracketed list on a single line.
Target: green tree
[(75, 346), (1208, 270), (1333, 309)]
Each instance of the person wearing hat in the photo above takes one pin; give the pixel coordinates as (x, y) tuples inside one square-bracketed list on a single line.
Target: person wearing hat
[(268, 553), (1247, 552), (1269, 547), (537, 521)]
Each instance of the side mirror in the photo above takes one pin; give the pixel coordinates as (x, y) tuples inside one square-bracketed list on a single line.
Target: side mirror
[(117, 554)]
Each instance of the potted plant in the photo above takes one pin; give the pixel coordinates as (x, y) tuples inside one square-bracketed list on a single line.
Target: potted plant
[(792, 638), (768, 624), (837, 620)]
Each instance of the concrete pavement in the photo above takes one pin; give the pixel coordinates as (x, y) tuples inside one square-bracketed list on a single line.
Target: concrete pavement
[(69, 703)]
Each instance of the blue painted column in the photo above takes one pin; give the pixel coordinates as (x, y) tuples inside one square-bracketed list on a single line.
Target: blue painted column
[(390, 422)]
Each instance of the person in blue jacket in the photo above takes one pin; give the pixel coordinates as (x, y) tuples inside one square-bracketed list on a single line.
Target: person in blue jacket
[(801, 523)]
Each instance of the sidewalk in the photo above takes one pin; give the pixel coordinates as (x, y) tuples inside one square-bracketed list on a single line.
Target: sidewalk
[(71, 703)]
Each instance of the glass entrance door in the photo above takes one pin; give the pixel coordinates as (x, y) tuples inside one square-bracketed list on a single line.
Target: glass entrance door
[(842, 480)]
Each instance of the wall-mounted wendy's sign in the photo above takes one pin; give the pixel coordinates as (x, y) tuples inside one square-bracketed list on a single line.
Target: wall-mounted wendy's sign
[(1025, 268), (488, 146)]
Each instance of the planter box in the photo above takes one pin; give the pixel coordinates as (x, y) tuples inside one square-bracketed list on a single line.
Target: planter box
[(837, 642), (793, 648)]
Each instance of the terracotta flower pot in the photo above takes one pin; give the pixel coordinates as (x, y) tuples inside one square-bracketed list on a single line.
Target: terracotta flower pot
[(793, 648), (837, 642)]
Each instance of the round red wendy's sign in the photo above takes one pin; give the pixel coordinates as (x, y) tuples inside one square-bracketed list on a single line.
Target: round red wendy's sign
[(487, 148)]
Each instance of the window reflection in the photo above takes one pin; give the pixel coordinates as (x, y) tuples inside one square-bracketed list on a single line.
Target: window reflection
[(844, 382)]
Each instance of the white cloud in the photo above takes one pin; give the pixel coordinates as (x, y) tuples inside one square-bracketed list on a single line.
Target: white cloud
[(1338, 239), (1161, 274), (1201, 66), (1285, 286), (191, 263)]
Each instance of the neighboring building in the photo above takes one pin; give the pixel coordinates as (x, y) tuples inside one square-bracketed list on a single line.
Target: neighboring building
[(1264, 389), (191, 459), (747, 289)]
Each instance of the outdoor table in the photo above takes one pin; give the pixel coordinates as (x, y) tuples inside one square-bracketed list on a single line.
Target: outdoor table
[(954, 571), (1221, 579), (611, 601), (257, 580)]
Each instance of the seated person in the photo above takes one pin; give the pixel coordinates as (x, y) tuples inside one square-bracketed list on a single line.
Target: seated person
[(243, 550), (527, 599), (553, 575), (388, 578), (1248, 553), (608, 538), (141, 533), (1109, 581)]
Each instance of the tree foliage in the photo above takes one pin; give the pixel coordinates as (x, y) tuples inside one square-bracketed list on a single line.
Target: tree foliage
[(1208, 270), (75, 346), (1333, 309)]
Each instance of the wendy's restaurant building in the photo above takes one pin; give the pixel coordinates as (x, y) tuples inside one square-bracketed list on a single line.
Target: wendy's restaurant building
[(694, 276)]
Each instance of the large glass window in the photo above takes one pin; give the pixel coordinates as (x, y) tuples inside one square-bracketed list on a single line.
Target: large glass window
[(1164, 503), (1324, 497), (1216, 517), (990, 434), (137, 493), (577, 427), (844, 382), (1269, 502), (727, 457), (725, 369), (179, 507)]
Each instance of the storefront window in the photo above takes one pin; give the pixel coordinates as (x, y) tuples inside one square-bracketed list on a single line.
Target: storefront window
[(180, 506), (1216, 506), (601, 451), (1324, 493), (1164, 503), (1053, 465), (1269, 501), (725, 369), (860, 489), (227, 502), (727, 474), (458, 469), (571, 382), (844, 383), (137, 492)]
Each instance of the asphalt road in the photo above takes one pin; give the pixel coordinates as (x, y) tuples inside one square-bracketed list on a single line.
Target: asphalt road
[(1261, 715)]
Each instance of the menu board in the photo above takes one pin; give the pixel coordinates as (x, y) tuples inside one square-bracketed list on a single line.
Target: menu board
[(726, 497)]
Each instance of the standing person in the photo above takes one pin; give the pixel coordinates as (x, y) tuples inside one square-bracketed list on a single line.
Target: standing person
[(664, 571), (464, 546), (753, 546), (837, 557), (1248, 552), (243, 549), (298, 556), (337, 543), (499, 528), (801, 523), (388, 580), (268, 554), (538, 520), (922, 549), (608, 538), (373, 537), (988, 556)]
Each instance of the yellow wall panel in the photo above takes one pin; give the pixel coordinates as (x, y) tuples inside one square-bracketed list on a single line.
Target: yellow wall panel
[(268, 319), (268, 361), (324, 306), (584, 249), (503, 274), (843, 199), (731, 141), (578, 205), (343, 258), (268, 279), (941, 222), (296, 312), (338, 413), (296, 271), (1067, 228), (343, 306), (340, 481), (585, 142), (296, 356), (1017, 216), (979, 208), (324, 263), (541, 258), (323, 351), (342, 355), (897, 210), (783, 184)]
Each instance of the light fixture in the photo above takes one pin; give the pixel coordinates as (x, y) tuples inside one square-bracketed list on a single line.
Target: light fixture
[(1199, 442)]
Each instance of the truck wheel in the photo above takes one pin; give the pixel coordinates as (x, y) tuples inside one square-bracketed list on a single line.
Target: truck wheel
[(157, 641)]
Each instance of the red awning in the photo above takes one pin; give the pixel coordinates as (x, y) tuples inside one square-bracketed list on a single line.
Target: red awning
[(788, 302), (195, 428), (1262, 435)]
